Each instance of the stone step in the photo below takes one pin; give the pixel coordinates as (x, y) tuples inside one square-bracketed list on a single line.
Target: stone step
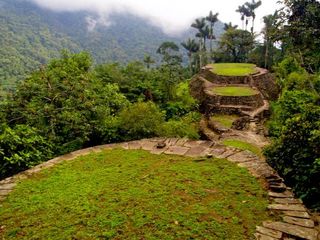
[(287, 207), (299, 221), (269, 232), (297, 214), (293, 230)]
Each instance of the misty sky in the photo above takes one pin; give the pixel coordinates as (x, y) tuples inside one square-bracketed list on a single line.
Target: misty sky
[(171, 15)]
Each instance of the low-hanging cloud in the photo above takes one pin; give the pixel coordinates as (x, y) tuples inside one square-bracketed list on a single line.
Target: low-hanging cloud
[(173, 16)]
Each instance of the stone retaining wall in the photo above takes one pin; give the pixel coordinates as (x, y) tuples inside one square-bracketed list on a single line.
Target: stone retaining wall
[(254, 101), (262, 80)]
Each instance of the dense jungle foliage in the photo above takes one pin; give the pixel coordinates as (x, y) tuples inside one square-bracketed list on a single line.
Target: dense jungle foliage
[(31, 36)]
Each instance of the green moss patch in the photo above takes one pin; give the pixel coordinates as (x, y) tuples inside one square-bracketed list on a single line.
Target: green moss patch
[(243, 145), (233, 69), (224, 120), (118, 194), (234, 91)]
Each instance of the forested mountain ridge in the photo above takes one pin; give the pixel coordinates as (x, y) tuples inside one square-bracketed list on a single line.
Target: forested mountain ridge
[(31, 35)]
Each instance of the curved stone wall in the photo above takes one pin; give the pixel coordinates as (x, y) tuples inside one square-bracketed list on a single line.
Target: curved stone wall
[(262, 80), (254, 101)]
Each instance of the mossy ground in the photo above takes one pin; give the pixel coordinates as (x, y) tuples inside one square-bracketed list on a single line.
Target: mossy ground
[(118, 194), (243, 146), (233, 69), (234, 91), (224, 120)]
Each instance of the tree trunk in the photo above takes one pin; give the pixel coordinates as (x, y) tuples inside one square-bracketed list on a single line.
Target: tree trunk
[(253, 18), (266, 55)]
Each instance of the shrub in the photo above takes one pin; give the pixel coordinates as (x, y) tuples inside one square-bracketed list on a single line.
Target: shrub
[(187, 126), (21, 147), (294, 152), (141, 120)]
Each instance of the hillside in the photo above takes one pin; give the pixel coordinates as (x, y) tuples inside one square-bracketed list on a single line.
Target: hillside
[(30, 36)]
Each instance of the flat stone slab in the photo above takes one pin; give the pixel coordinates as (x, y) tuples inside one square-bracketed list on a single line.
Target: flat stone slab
[(299, 221), (269, 232), (5, 192), (240, 157), (171, 141), (182, 141), (124, 145), (135, 145), (294, 230), (217, 151), (287, 200), (228, 153), (207, 144), (158, 151), (7, 186), (260, 236), (176, 150), (148, 145), (198, 151), (297, 214), (286, 194), (291, 207)]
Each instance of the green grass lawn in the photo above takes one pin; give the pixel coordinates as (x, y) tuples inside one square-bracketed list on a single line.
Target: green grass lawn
[(243, 145), (233, 69), (234, 91), (224, 120), (119, 194)]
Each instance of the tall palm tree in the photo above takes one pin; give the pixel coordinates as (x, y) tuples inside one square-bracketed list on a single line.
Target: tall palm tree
[(269, 31), (242, 10), (200, 24), (192, 47), (148, 60), (229, 25), (212, 19), (252, 6)]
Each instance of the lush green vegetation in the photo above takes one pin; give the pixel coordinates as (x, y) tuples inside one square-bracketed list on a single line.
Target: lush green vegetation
[(233, 69), (295, 126), (224, 120), (123, 194), (68, 105), (295, 130), (234, 91), (31, 36), (243, 146)]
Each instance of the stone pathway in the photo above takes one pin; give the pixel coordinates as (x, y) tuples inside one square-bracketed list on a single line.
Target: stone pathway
[(296, 221)]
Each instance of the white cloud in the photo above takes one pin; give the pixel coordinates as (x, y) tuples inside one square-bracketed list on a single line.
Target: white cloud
[(171, 15)]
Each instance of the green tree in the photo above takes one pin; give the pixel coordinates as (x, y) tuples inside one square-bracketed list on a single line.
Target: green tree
[(21, 147), (171, 67), (235, 45), (301, 31), (229, 25), (252, 6), (148, 60), (212, 19), (245, 14), (200, 25), (270, 30), (66, 103), (192, 47)]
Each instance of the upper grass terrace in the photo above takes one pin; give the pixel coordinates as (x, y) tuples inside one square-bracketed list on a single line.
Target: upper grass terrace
[(233, 69), (119, 194)]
